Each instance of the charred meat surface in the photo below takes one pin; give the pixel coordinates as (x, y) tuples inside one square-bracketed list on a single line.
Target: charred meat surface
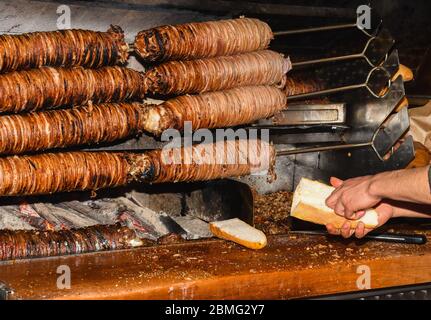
[(58, 172), (47, 87), (70, 127), (205, 162), (109, 122), (218, 109), (32, 244), (69, 171), (67, 48), (203, 39), (263, 67), (298, 84)]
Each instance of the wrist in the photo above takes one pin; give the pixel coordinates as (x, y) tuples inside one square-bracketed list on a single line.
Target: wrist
[(396, 212), (376, 187)]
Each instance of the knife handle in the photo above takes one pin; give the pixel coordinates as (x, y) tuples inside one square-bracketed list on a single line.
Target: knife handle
[(399, 238)]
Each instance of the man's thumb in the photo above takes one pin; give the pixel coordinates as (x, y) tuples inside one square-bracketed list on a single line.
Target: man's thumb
[(336, 182)]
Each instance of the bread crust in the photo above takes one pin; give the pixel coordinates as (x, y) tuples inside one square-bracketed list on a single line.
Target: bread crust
[(315, 215), (249, 244)]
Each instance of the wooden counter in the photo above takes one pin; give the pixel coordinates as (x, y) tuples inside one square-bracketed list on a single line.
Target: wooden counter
[(290, 266)]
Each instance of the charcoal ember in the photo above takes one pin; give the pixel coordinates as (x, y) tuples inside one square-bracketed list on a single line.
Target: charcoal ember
[(103, 211), (10, 221), (148, 223), (66, 217), (27, 214), (169, 203), (56, 221), (142, 228)]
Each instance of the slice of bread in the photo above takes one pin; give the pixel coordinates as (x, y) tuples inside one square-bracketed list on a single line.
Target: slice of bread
[(309, 205), (240, 232)]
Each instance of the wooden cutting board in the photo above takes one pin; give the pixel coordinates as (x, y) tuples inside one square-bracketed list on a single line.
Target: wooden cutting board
[(291, 266)]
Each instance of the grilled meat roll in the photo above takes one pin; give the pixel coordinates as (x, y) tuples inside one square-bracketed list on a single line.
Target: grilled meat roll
[(204, 162), (71, 171), (203, 39), (32, 244), (90, 124), (109, 122), (213, 74), (217, 109), (57, 172), (48, 88), (67, 48)]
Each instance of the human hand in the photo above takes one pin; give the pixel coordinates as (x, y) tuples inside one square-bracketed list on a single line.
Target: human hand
[(358, 190), (352, 197), (384, 211)]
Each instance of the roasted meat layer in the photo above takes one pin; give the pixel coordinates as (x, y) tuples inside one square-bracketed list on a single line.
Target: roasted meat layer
[(213, 74), (203, 39), (67, 48), (47, 87)]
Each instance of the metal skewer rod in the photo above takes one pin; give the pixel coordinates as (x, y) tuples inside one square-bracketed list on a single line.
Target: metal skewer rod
[(360, 55), (346, 88), (317, 29), (325, 60), (323, 148), (371, 33)]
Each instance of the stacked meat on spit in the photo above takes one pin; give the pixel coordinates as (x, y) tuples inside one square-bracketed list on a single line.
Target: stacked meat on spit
[(68, 88)]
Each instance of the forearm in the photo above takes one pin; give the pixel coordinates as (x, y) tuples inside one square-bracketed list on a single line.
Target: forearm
[(411, 185), (410, 210)]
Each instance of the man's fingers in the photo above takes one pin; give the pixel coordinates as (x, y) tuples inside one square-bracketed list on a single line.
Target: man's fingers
[(335, 182), (331, 201), (333, 198), (360, 230), (339, 208), (346, 231), (385, 212), (349, 213), (332, 230), (359, 214)]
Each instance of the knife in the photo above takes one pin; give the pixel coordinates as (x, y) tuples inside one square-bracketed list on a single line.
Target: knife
[(386, 237)]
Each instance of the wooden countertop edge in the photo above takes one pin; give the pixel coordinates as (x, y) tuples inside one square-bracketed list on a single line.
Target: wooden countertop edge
[(241, 282), (279, 285)]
